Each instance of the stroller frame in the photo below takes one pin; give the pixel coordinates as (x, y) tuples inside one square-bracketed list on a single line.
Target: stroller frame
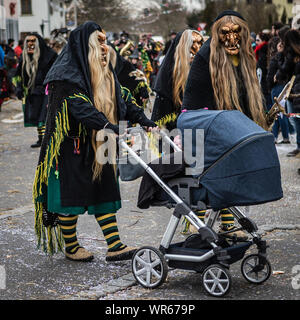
[(214, 262)]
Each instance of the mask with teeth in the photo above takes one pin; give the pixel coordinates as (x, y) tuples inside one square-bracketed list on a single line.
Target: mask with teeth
[(31, 42), (230, 37), (197, 44)]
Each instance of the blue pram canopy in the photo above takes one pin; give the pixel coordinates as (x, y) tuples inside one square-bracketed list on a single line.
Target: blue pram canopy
[(241, 165)]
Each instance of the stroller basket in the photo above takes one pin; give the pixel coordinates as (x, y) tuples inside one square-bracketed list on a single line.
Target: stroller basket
[(235, 252)]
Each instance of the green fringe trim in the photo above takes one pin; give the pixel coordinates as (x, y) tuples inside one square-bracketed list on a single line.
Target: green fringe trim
[(160, 123), (128, 97), (50, 239), (141, 84), (186, 227), (125, 92), (153, 144), (171, 117), (16, 80)]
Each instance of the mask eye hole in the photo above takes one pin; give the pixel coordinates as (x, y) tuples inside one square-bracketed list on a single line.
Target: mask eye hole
[(224, 31)]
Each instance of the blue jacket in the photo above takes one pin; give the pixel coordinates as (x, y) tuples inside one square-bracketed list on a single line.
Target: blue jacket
[(1, 57)]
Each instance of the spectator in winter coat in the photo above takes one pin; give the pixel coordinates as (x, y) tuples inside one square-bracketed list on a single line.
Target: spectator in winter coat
[(276, 58), (290, 67), (261, 53)]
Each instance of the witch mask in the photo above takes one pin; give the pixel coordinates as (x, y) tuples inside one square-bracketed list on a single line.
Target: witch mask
[(104, 47), (31, 43), (197, 44), (230, 37)]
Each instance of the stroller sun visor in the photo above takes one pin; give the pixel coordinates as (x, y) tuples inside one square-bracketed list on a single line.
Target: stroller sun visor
[(241, 165)]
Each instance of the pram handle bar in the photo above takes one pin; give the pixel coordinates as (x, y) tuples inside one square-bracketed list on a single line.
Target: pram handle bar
[(140, 130)]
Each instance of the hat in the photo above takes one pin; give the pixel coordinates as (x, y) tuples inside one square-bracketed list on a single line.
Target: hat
[(135, 54), (229, 13)]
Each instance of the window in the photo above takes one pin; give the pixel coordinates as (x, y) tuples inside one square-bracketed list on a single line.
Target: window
[(61, 9), (289, 1), (26, 7)]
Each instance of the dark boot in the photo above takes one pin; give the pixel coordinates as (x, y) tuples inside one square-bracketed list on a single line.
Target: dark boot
[(38, 143), (41, 133)]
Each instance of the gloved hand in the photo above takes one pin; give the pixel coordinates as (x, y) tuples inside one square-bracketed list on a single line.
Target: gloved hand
[(113, 127), (145, 122), (19, 93)]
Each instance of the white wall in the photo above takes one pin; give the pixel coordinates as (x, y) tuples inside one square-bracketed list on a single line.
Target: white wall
[(57, 21), (194, 5), (40, 12)]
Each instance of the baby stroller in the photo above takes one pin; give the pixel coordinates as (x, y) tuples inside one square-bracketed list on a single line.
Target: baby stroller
[(219, 186)]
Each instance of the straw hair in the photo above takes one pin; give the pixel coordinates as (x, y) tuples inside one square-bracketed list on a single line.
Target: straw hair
[(182, 65), (30, 64), (224, 77), (103, 86)]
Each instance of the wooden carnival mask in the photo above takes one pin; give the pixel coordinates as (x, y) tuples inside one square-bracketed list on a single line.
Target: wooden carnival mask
[(31, 43), (104, 48), (230, 37), (197, 44)]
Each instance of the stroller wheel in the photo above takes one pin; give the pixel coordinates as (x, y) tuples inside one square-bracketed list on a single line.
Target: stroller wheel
[(253, 272), (216, 280), (149, 267)]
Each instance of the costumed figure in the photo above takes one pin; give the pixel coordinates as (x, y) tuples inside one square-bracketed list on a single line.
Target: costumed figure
[(127, 50), (145, 57), (223, 77), (58, 39), (72, 178), (130, 78), (35, 62), (172, 76)]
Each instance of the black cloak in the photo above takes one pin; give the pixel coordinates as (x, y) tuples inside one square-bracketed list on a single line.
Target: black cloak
[(164, 110), (199, 93), (138, 88), (35, 107), (72, 117)]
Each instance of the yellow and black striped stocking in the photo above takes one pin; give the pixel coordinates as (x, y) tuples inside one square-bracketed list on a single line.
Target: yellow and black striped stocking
[(68, 226), (227, 219), (200, 215), (41, 132), (109, 227)]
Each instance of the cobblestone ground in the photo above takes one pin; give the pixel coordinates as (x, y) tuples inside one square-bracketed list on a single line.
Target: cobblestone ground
[(32, 275)]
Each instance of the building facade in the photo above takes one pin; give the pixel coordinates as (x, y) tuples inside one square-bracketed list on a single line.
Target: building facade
[(284, 7), (296, 14), (9, 27), (193, 5), (41, 16)]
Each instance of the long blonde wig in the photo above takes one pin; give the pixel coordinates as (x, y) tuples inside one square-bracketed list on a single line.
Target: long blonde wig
[(103, 86), (223, 74), (182, 65), (30, 65)]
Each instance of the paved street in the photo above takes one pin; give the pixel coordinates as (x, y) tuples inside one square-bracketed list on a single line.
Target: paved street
[(32, 275)]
